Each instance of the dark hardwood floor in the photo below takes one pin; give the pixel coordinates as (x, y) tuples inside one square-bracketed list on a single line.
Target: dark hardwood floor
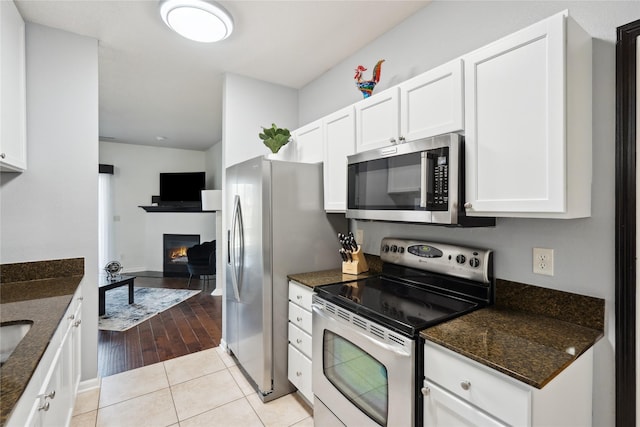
[(191, 326)]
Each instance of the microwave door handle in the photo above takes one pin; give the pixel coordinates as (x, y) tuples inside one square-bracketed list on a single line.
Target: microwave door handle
[(423, 179)]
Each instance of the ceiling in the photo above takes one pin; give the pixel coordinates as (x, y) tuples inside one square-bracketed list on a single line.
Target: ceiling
[(154, 84)]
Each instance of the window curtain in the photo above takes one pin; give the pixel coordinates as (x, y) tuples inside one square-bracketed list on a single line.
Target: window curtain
[(105, 216)]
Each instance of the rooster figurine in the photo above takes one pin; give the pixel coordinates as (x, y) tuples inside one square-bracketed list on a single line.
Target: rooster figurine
[(366, 86)]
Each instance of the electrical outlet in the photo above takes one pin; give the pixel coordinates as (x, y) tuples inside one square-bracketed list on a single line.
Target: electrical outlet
[(543, 261), (360, 237)]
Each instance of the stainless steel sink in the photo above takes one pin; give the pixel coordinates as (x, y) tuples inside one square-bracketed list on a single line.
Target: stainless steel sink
[(10, 336)]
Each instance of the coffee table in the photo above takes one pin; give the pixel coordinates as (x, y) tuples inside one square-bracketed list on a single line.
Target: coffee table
[(106, 284)]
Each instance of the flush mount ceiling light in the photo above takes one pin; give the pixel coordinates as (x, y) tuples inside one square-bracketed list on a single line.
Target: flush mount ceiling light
[(198, 20)]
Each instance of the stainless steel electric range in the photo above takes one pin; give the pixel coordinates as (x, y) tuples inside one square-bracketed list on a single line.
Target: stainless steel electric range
[(367, 360)]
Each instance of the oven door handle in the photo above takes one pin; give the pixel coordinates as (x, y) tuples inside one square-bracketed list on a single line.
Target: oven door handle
[(319, 310)]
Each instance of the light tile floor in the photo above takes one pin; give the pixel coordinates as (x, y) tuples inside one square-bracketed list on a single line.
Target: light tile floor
[(199, 389)]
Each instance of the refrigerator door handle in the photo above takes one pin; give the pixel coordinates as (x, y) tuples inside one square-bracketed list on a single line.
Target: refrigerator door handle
[(235, 270)]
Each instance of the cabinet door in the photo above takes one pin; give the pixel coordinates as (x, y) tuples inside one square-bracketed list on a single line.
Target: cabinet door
[(442, 409), (309, 142), (57, 395), (299, 372), (431, 103), (378, 120), (515, 122), (76, 346), (339, 142), (13, 141)]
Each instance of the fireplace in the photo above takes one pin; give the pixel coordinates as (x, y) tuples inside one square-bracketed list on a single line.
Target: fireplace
[(174, 252)]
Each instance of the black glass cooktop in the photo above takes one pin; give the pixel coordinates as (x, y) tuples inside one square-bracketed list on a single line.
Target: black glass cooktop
[(400, 306)]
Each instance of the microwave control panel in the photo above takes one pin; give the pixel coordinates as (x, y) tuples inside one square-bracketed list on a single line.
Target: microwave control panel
[(438, 182)]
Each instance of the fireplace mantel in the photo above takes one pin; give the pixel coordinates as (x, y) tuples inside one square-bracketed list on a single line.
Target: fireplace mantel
[(152, 209)]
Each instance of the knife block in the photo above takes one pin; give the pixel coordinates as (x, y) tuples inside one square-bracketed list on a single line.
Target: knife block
[(358, 265)]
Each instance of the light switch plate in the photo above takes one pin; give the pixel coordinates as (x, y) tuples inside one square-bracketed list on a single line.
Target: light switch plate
[(543, 261)]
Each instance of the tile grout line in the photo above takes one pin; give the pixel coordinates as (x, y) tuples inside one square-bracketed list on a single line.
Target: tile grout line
[(175, 410)]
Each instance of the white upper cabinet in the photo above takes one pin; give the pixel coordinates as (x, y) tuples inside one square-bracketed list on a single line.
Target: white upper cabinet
[(308, 143), (339, 142), (378, 120), (426, 105), (13, 128), (432, 103), (528, 123)]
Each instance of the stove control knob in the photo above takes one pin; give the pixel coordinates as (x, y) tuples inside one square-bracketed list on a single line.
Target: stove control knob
[(460, 259), (385, 248), (401, 249), (394, 248), (474, 262)]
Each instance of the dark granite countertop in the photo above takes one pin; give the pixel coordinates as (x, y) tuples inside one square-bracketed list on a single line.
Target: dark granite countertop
[(526, 335), (328, 277), (39, 292)]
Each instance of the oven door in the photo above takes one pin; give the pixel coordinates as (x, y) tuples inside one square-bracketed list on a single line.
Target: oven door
[(414, 182), (362, 372)]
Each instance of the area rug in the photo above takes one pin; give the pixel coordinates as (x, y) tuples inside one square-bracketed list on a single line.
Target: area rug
[(120, 316)]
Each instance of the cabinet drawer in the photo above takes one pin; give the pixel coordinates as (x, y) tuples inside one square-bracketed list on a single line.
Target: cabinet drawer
[(299, 317), (489, 390), (300, 295), (300, 340), (299, 372)]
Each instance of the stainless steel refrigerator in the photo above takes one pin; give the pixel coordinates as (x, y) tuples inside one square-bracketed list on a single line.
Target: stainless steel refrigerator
[(276, 226)]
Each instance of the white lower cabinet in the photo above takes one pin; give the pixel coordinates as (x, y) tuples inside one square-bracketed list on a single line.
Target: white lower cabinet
[(49, 397), (459, 391), (299, 350)]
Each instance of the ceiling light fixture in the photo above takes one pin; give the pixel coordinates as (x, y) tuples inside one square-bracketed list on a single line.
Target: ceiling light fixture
[(198, 20)]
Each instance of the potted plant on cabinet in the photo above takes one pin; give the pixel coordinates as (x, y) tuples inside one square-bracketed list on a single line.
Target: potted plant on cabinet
[(275, 137)]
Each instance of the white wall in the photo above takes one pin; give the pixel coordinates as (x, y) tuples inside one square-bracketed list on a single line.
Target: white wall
[(213, 160), (584, 248), (51, 210), (249, 104), (136, 178)]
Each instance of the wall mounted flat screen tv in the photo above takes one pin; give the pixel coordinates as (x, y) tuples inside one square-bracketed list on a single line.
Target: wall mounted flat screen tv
[(181, 188)]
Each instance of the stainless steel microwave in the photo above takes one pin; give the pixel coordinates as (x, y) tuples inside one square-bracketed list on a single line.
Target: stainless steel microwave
[(420, 181)]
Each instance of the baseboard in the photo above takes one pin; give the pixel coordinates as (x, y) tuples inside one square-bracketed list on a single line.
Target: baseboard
[(91, 384), (133, 269), (217, 292), (223, 345)]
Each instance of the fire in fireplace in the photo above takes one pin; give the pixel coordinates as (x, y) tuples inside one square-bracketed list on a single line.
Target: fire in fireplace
[(175, 253)]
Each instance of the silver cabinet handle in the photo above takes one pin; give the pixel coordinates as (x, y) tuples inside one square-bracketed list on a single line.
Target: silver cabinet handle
[(425, 391), (298, 340), (2, 155), (50, 395), (468, 205), (466, 385), (299, 296), (71, 317), (299, 319), (44, 407), (298, 373), (393, 141), (402, 140), (77, 323)]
